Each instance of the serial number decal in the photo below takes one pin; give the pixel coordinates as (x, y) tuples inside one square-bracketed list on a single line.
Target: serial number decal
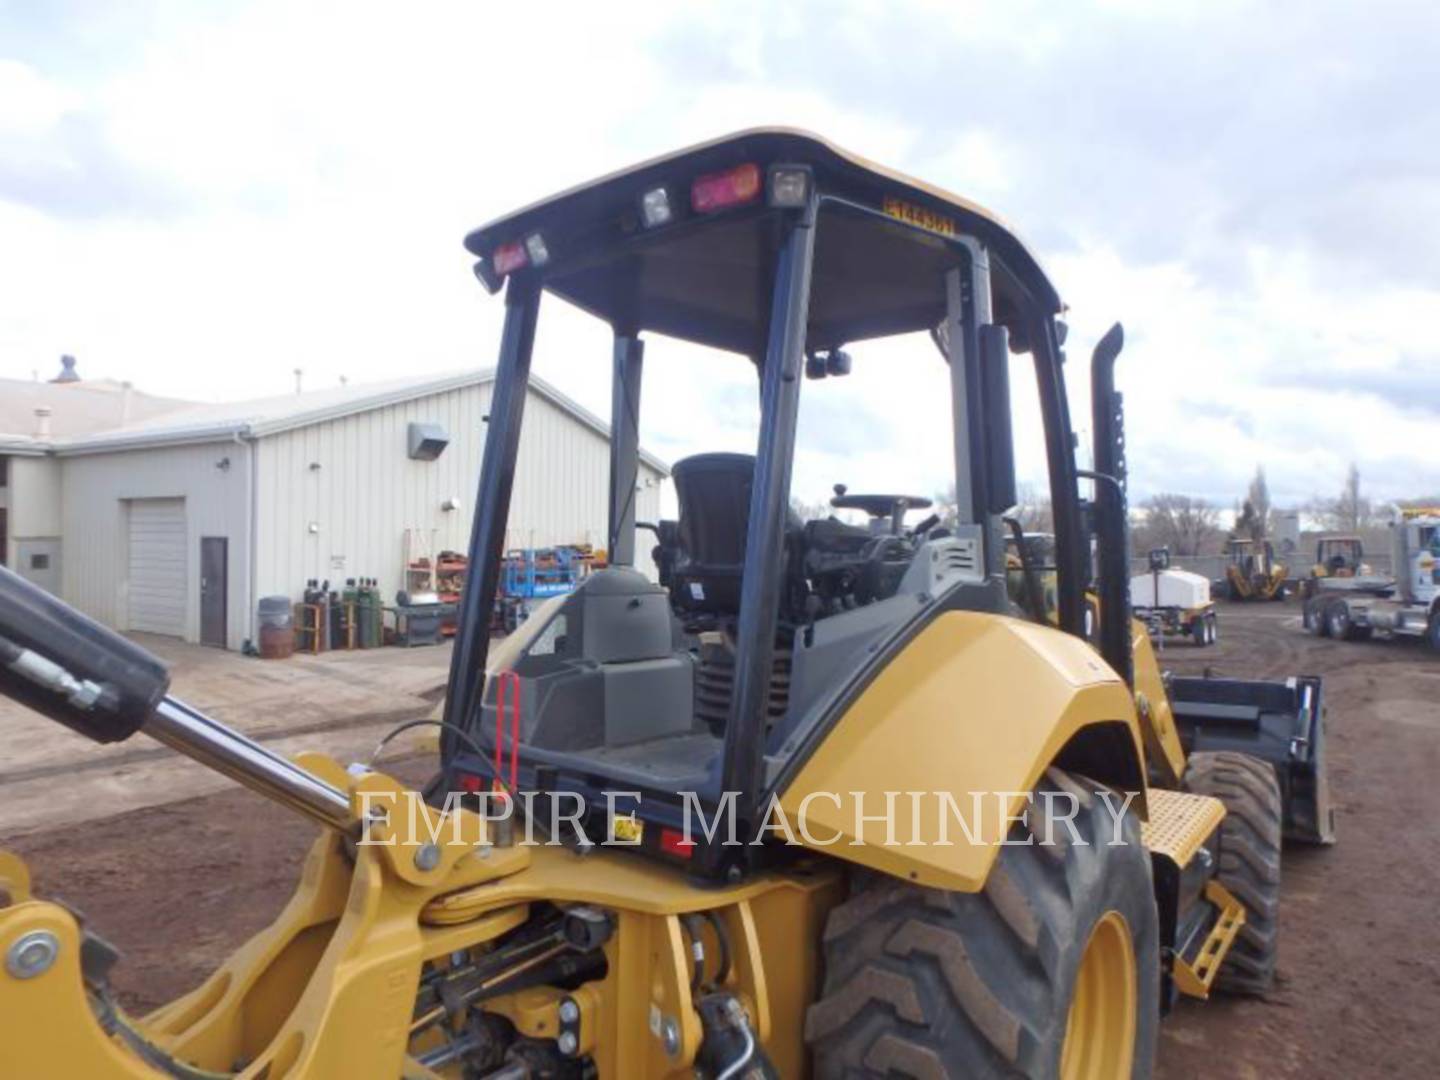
[(919, 216)]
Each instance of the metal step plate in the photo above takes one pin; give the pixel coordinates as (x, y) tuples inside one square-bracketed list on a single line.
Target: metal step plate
[(1179, 823)]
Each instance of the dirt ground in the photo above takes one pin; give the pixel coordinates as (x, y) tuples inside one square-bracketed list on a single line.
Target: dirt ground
[(177, 887)]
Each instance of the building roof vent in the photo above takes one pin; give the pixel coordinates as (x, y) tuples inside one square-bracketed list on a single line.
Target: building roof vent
[(67, 371), (426, 442)]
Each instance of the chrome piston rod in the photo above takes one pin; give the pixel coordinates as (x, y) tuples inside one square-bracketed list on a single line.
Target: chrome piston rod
[(225, 750)]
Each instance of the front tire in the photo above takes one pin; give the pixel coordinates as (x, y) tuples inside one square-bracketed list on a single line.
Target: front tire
[(1250, 839), (1052, 971)]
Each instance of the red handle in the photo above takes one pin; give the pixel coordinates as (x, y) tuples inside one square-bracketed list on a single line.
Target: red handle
[(509, 679)]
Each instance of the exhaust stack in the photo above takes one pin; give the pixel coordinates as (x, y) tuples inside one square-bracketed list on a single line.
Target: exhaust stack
[(1112, 515)]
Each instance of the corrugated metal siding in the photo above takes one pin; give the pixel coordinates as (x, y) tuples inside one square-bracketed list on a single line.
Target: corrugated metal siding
[(352, 479), (35, 490), (95, 523)]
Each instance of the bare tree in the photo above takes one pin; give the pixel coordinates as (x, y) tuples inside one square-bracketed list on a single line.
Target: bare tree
[(1182, 523), (1033, 511), (946, 507), (1351, 511), (1253, 521), (809, 511)]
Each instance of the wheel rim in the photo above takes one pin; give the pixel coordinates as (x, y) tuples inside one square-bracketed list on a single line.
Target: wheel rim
[(1100, 1030)]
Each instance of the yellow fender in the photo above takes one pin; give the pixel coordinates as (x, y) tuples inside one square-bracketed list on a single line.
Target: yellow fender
[(975, 703)]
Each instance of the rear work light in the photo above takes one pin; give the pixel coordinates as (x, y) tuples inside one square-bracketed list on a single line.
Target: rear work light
[(719, 191), (536, 249), (789, 186), (655, 208)]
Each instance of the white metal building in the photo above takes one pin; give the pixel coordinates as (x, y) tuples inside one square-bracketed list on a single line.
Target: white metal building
[(180, 523)]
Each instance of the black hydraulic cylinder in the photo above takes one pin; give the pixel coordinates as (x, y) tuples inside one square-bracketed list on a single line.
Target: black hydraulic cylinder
[(70, 668), (764, 568), (492, 508)]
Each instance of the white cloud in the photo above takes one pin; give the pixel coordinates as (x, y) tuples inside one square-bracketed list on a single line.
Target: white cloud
[(30, 104), (233, 194)]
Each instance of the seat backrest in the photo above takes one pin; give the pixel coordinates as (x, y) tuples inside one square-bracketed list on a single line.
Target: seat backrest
[(714, 495)]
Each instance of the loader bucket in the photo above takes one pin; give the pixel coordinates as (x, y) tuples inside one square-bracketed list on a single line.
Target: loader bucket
[(1279, 722)]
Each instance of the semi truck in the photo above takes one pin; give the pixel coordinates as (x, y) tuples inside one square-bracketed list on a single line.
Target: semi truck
[(1352, 606)]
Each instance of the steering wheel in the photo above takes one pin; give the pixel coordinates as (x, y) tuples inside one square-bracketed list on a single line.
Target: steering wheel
[(880, 506)]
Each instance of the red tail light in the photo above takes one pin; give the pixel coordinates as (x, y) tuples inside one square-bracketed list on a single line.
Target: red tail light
[(733, 187), (509, 258)]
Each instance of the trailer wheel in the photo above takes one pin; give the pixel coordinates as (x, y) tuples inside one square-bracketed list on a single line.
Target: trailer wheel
[(1051, 971), (1199, 631), (1432, 632), (1250, 838), (1212, 626)]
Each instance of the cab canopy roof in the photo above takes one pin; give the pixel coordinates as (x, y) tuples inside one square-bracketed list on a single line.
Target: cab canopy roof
[(702, 274)]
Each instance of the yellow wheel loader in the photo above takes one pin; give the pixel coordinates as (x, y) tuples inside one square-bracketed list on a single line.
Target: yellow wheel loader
[(825, 801)]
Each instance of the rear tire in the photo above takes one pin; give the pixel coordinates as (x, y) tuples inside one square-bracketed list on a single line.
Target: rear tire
[(1432, 632), (1337, 621), (1212, 622), (1199, 632), (1250, 839), (926, 983)]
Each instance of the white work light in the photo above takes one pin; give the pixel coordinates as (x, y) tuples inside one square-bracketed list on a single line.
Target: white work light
[(536, 249), (789, 186), (655, 208)]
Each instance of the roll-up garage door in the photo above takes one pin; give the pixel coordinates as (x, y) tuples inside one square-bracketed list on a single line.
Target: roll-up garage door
[(157, 566)]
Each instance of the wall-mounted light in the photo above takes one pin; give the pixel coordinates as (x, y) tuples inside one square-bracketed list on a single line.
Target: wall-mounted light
[(314, 466), (425, 441), (223, 464), (313, 528), (451, 504)]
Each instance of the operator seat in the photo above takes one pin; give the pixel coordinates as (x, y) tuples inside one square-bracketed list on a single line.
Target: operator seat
[(703, 554), (714, 495)]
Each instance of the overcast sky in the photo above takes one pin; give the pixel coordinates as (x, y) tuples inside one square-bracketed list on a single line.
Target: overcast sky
[(202, 197)]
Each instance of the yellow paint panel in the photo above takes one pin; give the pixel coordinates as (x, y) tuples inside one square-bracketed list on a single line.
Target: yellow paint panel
[(1157, 719), (976, 703)]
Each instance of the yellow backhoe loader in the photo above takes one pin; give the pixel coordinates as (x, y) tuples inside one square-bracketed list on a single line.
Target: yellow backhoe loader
[(1253, 572), (823, 802)]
